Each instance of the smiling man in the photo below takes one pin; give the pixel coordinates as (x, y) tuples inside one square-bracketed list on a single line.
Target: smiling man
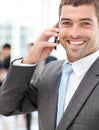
[(78, 33)]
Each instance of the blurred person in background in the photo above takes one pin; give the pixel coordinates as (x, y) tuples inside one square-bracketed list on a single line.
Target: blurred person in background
[(5, 57), (50, 58), (4, 61)]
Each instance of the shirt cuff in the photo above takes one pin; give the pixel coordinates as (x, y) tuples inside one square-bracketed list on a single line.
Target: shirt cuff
[(19, 63)]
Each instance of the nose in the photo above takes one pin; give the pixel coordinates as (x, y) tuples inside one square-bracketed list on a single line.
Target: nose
[(75, 32)]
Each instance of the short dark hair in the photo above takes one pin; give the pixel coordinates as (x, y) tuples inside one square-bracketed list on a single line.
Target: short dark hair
[(80, 2), (7, 45)]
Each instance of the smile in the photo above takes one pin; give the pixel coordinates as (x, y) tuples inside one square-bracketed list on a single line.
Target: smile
[(76, 42)]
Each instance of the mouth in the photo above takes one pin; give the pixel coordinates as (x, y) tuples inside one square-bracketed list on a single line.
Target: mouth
[(76, 42)]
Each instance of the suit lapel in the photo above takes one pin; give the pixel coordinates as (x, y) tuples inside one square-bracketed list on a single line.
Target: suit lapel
[(81, 95), (53, 98)]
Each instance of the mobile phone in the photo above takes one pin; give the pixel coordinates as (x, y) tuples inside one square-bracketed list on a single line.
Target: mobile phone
[(55, 41), (56, 38)]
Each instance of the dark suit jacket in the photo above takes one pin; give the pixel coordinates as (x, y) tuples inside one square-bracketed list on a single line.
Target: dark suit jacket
[(18, 96), (5, 63)]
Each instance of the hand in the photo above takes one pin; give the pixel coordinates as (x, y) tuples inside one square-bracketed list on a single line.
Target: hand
[(42, 48)]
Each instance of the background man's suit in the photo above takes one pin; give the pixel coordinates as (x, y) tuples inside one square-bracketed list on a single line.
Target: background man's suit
[(82, 112)]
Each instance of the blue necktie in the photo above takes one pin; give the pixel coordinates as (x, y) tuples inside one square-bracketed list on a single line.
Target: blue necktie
[(67, 69)]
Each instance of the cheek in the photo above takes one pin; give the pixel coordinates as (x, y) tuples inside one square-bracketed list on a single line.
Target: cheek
[(63, 34), (97, 34), (93, 37), (63, 31), (92, 33)]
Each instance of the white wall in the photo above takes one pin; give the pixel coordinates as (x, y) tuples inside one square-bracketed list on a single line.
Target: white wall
[(38, 14)]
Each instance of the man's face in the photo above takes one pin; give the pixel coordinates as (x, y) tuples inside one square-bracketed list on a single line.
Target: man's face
[(78, 31), (6, 52)]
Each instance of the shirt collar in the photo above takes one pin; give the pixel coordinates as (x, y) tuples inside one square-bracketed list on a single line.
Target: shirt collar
[(81, 66)]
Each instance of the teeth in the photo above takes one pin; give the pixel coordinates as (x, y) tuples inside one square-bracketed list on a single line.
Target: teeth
[(76, 43)]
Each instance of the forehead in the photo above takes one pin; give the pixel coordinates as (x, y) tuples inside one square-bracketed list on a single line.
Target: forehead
[(83, 11), (5, 49)]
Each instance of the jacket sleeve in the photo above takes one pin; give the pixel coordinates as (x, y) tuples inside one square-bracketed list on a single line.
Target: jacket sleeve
[(17, 94)]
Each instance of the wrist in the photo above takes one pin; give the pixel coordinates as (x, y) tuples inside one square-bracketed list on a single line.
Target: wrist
[(26, 60)]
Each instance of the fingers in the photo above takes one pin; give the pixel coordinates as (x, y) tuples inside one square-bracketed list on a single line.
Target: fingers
[(51, 32), (42, 45), (48, 33), (49, 44)]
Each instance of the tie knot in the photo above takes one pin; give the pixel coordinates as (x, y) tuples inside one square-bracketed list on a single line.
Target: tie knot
[(67, 68)]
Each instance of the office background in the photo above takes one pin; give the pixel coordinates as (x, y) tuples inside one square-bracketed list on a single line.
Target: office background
[(22, 21)]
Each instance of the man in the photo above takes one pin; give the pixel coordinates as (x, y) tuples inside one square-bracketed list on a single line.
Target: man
[(5, 61), (78, 34)]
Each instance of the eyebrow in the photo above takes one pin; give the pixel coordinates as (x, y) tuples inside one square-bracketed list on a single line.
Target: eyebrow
[(65, 19), (82, 19), (86, 19)]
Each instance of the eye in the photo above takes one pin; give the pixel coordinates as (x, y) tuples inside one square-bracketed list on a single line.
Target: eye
[(66, 23), (86, 24)]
